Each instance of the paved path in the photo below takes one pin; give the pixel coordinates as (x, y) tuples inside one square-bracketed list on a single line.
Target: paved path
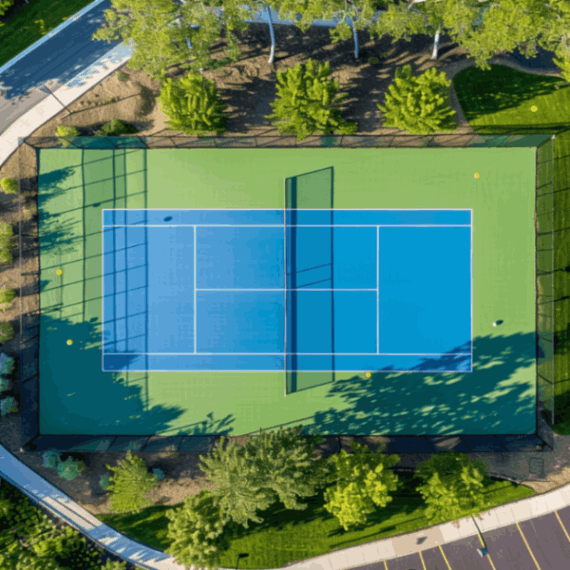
[(517, 535)]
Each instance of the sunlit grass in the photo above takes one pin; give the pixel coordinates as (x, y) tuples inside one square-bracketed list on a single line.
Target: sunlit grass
[(31, 22)]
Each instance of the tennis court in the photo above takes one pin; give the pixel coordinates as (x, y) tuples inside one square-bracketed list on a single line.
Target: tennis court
[(292, 290), (211, 291)]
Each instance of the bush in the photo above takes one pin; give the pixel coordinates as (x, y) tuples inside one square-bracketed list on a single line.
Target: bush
[(192, 105), (419, 105), (70, 469), (159, 473), (6, 298), (65, 133), (51, 459), (104, 482), (7, 405), (114, 565), (373, 60), (6, 364), (122, 76), (9, 185), (115, 128), (6, 332), (306, 102), (4, 383), (6, 234)]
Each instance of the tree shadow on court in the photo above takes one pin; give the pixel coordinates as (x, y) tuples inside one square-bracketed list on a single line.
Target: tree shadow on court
[(87, 401), (490, 397)]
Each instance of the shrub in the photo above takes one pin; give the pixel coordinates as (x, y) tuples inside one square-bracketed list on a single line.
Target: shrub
[(66, 133), (418, 105), (6, 298), (306, 102), (70, 469), (6, 332), (104, 482), (114, 565), (192, 105), (159, 473), (51, 459), (6, 364), (115, 128), (7, 405), (4, 383), (9, 185), (122, 76), (373, 60), (6, 234)]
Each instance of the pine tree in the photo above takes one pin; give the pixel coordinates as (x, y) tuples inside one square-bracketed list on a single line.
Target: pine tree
[(306, 102), (196, 532), (363, 482), (419, 105), (192, 105), (452, 486), (130, 482)]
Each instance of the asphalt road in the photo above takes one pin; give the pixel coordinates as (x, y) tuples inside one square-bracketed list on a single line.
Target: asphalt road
[(55, 62)]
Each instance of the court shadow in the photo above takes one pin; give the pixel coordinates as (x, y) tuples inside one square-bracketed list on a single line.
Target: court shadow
[(493, 397)]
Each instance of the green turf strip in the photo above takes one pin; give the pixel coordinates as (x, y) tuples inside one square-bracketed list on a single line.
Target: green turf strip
[(20, 29), (500, 101), (286, 536)]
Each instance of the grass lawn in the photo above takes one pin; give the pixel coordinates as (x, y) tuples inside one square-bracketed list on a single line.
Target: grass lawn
[(21, 30), (501, 101), (286, 536)]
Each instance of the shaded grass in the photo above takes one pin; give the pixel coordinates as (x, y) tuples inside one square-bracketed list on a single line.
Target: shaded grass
[(500, 101), (20, 29), (285, 536)]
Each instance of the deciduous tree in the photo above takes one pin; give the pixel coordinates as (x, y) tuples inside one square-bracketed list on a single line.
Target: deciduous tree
[(306, 102), (363, 482), (453, 486), (419, 105)]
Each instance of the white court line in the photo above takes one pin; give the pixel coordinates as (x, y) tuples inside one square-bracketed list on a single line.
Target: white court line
[(195, 306), (472, 289), (265, 370), (281, 354), (282, 289), (378, 289), (339, 225), (292, 209)]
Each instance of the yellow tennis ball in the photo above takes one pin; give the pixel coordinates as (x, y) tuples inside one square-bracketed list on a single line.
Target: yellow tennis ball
[(534, 108), (477, 175), (368, 375), (69, 342), (58, 271)]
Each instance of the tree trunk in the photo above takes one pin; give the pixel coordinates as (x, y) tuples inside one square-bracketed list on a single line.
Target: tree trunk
[(355, 36), (435, 46), (272, 34)]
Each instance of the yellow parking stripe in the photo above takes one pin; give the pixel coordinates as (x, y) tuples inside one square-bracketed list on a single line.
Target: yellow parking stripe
[(422, 559), (385, 565), (444, 557), (488, 556), (528, 547), (562, 525)]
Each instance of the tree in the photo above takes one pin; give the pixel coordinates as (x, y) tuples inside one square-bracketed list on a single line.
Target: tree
[(419, 105), (363, 481), (283, 461), (161, 33), (9, 185), (65, 134), (192, 105), (196, 532), (4, 6), (306, 102), (452, 486), (239, 493), (130, 482)]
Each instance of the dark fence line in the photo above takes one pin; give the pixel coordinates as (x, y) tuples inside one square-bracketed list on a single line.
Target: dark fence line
[(32, 440)]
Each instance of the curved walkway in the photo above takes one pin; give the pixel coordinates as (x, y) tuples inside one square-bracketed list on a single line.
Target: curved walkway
[(460, 532)]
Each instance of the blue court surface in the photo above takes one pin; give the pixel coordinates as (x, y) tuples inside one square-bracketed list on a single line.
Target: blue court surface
[(294, 290)]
